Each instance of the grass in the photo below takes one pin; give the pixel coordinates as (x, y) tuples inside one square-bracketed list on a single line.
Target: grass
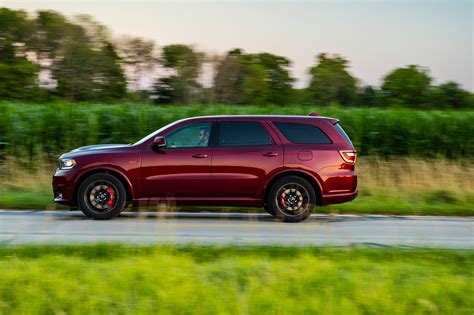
[(412, 186), (233, 280), (393, 186)]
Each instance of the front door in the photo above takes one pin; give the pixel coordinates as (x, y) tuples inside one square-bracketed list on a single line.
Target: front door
[(181, 168)]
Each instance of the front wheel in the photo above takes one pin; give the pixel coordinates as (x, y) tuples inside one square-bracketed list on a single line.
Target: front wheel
[(292, 199), (101, 196)]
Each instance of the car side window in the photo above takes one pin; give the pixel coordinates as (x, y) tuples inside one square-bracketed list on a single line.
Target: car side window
[(302, 133), (243, 133), (194, 135)]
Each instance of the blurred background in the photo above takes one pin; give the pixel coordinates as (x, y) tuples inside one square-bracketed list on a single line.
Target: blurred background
[(398, 74)]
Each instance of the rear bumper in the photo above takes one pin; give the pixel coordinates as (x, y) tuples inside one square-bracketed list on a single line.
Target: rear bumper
[(338, 198)]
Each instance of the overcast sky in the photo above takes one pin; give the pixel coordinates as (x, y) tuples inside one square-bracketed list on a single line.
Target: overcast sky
[(376, 36)]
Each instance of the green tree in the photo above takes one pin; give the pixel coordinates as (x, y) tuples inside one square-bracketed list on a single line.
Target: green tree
[(181, 84), (229, 79), (408, 86), (15, 26), (165, 92), (255, 87), (18, 80), (53, 33), (110, 76), (277, 77), (86, 65), (450, 95), (368, 96), (331, 82), (86, 74), (253, 79), (138, 58), (17, 74)]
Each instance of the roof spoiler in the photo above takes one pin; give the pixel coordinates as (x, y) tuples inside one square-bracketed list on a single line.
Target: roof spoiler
[(332, 120)]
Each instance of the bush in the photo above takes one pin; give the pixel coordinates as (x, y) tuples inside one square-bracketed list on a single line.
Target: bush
[(30, 130)]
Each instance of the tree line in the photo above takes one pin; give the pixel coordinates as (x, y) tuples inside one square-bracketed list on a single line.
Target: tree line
[(49, 57)]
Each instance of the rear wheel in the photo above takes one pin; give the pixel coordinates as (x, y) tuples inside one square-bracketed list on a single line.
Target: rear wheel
[(291, 199), (101, 196)]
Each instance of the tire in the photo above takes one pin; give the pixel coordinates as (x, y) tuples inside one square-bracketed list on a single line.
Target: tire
[(268, 209), (101, 196), (292, 199)]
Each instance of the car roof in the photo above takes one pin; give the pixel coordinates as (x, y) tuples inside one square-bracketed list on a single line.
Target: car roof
[(265, 117)]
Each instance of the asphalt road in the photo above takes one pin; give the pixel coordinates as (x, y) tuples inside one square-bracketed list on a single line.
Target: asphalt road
[(66, 227)]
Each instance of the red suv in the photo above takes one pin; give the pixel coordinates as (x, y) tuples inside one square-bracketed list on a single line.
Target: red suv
[(285, 164)]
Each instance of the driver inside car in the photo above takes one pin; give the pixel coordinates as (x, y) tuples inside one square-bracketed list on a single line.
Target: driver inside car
[(203, 137)]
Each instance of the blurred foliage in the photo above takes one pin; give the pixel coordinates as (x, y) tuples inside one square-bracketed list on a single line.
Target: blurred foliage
[(408, 86), (331, 82), (29, 130), (138, 58), (174, 279), (50, 57), (78, 54), (181, 86), (18, 80), (450, 94), (253, 79)]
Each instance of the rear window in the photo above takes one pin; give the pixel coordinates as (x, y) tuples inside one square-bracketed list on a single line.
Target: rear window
[(342, 133), (302, 133), (243, 133)]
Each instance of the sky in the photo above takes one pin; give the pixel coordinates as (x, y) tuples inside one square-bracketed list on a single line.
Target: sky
[(375, 36)]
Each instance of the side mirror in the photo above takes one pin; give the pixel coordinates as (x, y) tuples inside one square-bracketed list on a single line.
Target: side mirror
[(159, 142)]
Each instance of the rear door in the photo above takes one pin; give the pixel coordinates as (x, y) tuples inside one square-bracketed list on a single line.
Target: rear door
[(246, 152)]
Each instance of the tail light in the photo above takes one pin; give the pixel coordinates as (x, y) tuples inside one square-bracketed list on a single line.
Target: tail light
[(349, 156)]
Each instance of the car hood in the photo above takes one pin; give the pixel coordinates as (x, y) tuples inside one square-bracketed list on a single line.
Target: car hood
[(99, 147), (94, 149)]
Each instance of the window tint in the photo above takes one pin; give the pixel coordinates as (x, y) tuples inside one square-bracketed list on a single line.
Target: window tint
[(243, 133), (302, 133), (189, 136), (343, 133)]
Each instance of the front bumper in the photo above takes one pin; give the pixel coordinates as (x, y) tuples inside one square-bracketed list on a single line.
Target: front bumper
[(63, 187)]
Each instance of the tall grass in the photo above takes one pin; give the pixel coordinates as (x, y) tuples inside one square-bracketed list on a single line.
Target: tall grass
[(401, 186), (231, 280), (29, 130), (407, 185)]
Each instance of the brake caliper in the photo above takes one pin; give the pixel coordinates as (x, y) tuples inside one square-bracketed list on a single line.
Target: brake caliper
[(111, 199)]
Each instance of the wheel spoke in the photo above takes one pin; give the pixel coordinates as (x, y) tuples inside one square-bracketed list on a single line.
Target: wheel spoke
[(102, 196), (292, 198)]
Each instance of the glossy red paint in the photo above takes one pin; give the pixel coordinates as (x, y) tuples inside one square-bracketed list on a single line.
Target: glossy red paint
[(235, 176)]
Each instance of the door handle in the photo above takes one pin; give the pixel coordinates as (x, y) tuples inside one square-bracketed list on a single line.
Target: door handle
[(270, 154), (200, 156)]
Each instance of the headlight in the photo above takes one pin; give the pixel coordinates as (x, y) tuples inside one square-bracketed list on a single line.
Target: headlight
[(66, 164)]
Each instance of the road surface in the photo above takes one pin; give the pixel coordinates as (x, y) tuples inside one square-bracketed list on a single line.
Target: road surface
[(66, 227)]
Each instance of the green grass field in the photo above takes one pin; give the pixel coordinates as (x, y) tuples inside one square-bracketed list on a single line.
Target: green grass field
[(233, 280)]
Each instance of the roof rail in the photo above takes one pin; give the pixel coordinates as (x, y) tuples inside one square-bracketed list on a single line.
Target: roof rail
[(313, 114)]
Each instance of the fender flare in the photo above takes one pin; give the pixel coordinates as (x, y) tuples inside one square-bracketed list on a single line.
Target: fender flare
[(314, 181), (104, 168)]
